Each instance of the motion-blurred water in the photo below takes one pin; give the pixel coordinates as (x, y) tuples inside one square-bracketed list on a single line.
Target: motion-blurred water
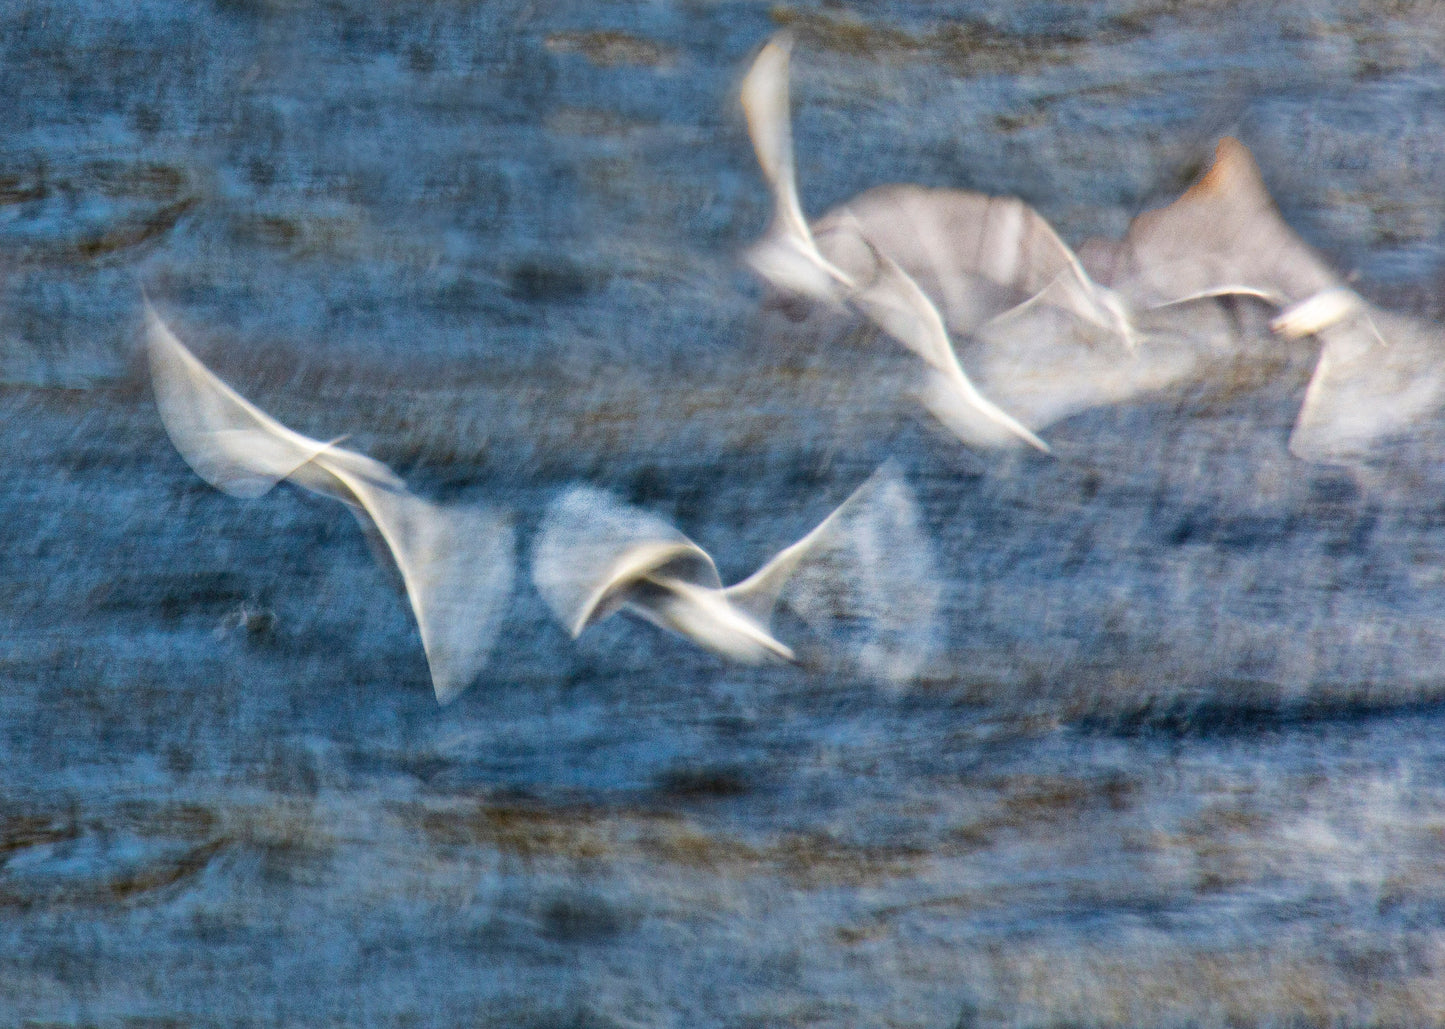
[(1179, 760)]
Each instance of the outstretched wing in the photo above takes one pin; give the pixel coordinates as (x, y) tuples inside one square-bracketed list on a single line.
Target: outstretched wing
[(766, 105), (1223, 236), (592, 552), (980, 256), (227, 440), (456, 562), (787, 256), (1365, 391), (864, 577)]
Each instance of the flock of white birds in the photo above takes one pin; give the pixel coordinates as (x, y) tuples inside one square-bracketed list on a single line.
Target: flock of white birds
[(1045, 332)]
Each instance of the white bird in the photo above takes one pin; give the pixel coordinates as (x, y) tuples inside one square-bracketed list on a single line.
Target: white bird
[(867, 565), (855, 270), (1042, 359), (1225, 235), (1031, 307), (1002, 243), (456, 562), (991, 260)]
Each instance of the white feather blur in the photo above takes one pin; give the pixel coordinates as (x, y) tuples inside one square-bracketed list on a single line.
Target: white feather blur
[(456, 562), (867, 565)]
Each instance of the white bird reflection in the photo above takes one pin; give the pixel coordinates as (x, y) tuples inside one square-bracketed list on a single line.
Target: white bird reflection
[(456, 562), (864, 576)]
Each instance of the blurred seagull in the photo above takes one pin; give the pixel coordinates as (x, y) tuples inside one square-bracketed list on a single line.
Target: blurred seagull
[(1041, 358), (456, 562), (1225, 236), (1004, 279), (856, 270), (867, 564), (1006, 246)]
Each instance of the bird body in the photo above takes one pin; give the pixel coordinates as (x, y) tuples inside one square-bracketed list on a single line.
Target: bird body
[(867, 279), (708, 617), (594, 556)]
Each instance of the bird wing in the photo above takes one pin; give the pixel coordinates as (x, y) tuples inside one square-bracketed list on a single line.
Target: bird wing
[(1222, 236), (980, 255), (592, 552), (227, 440), (760, 592), (766, 106), (455, 562), (1364, 390), (865, 576), (788, 256), (894, 301)]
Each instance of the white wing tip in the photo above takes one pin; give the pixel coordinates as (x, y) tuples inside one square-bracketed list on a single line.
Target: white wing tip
[(973, 419)]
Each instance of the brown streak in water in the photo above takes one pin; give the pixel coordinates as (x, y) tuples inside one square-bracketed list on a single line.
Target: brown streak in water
[(591, 834), (127, 235), (19, 832), (968, 47), (610, 48), (119, 889)]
